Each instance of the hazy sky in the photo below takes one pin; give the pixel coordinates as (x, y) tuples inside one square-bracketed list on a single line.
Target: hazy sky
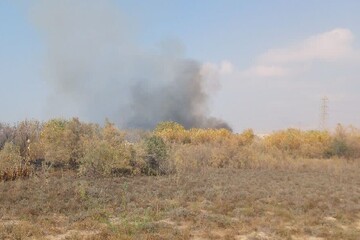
[(275, 59)]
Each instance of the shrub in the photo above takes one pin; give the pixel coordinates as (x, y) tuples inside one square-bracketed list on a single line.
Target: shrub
[(200, 136), (112, 134), (189, 158), (10, 157), (297, 143), (26, 133), (345, 142), (54, 142), (315, 144), (193, 157), (246, 137), (156, 156), (62, 141), (169, 126), (7, 133), (175, 133), (172, 132), (106, 153), (103, 159), (353, 142), (12, 165)]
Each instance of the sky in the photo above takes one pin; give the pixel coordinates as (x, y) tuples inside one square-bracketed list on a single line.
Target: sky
[(274, 60)]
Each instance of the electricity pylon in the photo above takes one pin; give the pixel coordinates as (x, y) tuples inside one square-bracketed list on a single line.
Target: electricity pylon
[(324, 113)]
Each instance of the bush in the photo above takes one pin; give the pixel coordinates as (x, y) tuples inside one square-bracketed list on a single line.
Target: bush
[(156, 156), (7, 133), (105, 151), (189, 158), (103, 159), (62, 141), (12, 164), (247, 137), (26, 133), (345, 142), (172, 132), (297, 143), (106, 154), (10, 157), (54, 142), (169, 126)]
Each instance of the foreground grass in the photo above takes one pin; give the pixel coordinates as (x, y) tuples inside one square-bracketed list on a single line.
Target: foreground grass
[(301, 203)]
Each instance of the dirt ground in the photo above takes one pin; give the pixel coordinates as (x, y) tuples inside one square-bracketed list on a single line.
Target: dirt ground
[(209, 204)]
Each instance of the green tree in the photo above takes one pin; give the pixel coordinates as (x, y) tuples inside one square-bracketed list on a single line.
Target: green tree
[(156, 157)]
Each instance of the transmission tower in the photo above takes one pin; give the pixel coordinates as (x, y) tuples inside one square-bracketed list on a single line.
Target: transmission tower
[(324, 113)]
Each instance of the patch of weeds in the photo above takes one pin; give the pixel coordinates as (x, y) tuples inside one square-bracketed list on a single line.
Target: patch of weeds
[(181, 213), (124, 197), (82, 191)]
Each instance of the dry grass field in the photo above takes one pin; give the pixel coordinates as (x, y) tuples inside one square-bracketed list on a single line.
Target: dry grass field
[(65, 179), (303, 202)]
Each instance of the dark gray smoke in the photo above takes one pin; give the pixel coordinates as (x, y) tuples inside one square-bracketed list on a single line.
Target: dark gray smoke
[(97, 70), (182, 100)]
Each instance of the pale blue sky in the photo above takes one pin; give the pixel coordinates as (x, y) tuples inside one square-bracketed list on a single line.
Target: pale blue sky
[(260, 91)]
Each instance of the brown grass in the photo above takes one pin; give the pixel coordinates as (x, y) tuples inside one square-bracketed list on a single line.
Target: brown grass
[(310, 200)]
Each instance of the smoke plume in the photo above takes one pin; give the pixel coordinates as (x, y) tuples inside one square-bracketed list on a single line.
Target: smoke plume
[(96, 69)]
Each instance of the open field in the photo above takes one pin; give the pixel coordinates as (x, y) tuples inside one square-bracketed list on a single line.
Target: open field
[(298, 203), (65, 179), (179, 120)]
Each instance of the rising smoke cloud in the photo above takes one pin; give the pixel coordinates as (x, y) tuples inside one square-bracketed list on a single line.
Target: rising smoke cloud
[(95, 68)]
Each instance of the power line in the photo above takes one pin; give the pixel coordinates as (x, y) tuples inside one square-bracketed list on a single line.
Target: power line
[(324, 113)]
